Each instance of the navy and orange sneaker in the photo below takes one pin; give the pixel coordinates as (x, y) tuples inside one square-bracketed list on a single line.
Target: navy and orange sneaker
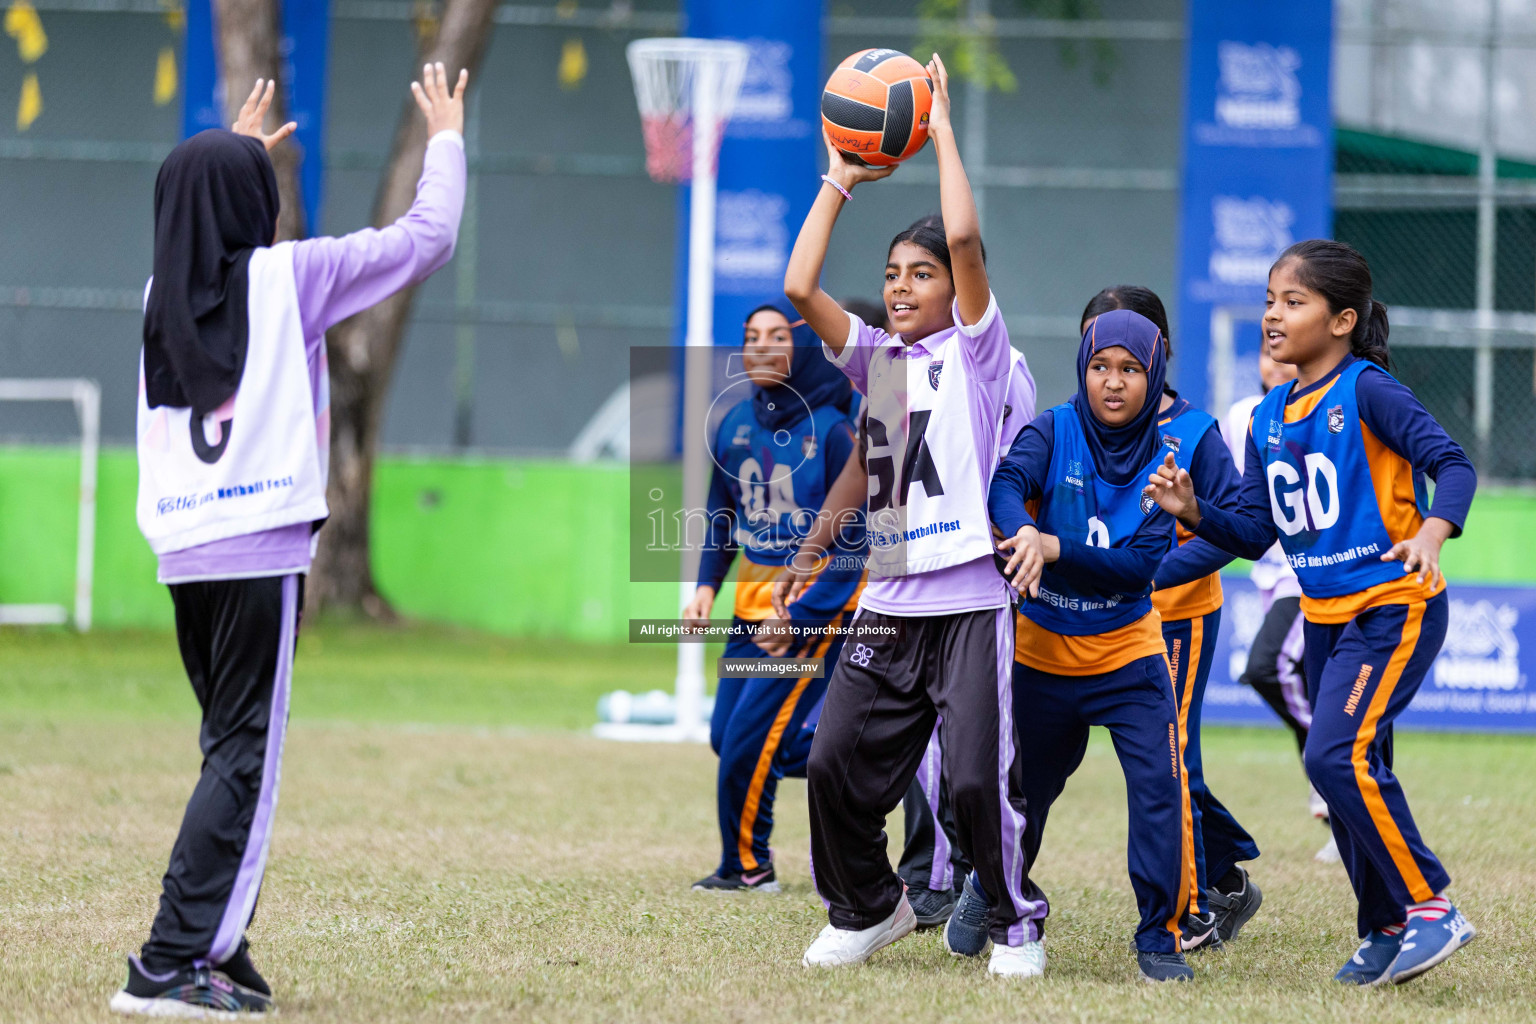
[(200, 992), (761, 880), (1372, 961)]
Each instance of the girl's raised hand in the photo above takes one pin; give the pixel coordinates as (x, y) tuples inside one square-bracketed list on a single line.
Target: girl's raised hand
[(847, 172), (443, 107), (938, 115), (1172, 489), (254, 112)]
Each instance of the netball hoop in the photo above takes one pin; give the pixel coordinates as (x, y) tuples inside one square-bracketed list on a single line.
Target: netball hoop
[(686, 90)]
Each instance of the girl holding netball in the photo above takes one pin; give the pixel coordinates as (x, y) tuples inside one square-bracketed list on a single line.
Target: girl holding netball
[(1188, 598), (933, 635), (233, 439), (1083, 549), (1335, 469), (777, 452)]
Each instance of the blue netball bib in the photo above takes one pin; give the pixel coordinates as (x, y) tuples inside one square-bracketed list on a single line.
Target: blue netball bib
[(777, 478), (1079, 506), (1321, 493)]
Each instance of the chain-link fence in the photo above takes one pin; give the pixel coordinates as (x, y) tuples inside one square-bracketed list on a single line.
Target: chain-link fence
[(1459, 281)]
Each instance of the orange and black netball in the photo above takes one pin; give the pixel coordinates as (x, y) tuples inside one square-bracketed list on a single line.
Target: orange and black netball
[(875, 107)]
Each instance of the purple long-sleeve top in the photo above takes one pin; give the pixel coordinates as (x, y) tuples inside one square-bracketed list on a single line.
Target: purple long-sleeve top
[(336, 278)]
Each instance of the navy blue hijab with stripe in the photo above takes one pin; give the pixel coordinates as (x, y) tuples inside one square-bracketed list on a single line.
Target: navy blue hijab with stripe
[(1121, 453), (811, 376)]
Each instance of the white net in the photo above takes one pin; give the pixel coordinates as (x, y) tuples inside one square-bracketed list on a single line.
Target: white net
[(674, 80)]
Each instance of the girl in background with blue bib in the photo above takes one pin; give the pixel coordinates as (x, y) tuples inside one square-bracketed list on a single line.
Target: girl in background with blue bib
[(776, 455), (1085, 547), (1187, 595), (1335, 469)]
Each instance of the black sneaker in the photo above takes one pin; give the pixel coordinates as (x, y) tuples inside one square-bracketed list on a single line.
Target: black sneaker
[(1199, 932), (761, 880), (932, 906), (1163, 967), (1235, 899), (242, 972), (188, 992), (966, 933)]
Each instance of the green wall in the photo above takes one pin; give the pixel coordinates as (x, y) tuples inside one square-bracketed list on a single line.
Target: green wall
[(514, 546)]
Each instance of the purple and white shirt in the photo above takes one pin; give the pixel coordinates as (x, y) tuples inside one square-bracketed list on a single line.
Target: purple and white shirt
[(337, 278), (871, 356)]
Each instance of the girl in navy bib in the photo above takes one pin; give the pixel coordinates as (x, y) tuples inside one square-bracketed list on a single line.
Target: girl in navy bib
[(1187, 596), (1335, 469), (777, 452), (1084, 546)]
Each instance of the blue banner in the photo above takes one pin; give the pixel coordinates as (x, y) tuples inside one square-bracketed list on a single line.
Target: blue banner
[(304, 47), (1481, 682), (768, 160), (1258, 170)]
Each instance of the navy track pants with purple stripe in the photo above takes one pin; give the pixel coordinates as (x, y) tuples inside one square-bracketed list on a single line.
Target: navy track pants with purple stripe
[(236, 639), (895, 677), (931, 858)]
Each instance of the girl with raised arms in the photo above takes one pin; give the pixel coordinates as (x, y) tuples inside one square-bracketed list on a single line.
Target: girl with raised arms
[(233, 439), (933, 635), (1335, 468)]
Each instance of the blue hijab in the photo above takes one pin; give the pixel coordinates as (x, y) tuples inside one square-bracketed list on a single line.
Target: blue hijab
[(816, 381), (1121, 453)]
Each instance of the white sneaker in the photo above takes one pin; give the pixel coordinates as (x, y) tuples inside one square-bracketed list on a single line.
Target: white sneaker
[(837, 947), (1024, 961), (1316, 804), (1329, 854)]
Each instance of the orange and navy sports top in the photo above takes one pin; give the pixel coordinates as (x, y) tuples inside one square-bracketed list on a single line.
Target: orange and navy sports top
[(1336, 471), (1094, 613), (1188, 583)]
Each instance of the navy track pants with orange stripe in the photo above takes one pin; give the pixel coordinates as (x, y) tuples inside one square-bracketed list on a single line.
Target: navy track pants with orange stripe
[(1360, 676), (1135, 703), (757, 731), (1218, 842)]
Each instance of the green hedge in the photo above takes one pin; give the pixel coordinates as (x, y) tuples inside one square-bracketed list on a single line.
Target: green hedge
[(514, 546)]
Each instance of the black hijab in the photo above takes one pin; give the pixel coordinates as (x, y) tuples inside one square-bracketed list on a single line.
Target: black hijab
[(215, 201), (815, 380)]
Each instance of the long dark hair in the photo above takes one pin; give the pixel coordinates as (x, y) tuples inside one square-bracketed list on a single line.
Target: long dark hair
[(1135, 298), (928, 233), (1342, 277)]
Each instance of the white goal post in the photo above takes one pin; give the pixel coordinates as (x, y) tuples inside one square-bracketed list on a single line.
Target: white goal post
[(85, 395)]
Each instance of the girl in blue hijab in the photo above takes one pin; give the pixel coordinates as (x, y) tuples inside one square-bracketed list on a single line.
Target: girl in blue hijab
[(776, 454), (1089, 648)]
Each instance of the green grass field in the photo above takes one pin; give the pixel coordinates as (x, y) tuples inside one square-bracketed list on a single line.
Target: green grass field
[(451, 845)]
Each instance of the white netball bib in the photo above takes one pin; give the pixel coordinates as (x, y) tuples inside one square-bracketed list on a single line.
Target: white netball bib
[(927, 504), (253, 464)]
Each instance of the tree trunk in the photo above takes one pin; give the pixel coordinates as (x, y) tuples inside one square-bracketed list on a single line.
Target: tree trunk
[(363, 349), (248, 33)]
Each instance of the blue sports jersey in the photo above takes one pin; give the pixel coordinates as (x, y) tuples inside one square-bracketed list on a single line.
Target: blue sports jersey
[(1077, 505), (774, 481), (1321, 492)]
